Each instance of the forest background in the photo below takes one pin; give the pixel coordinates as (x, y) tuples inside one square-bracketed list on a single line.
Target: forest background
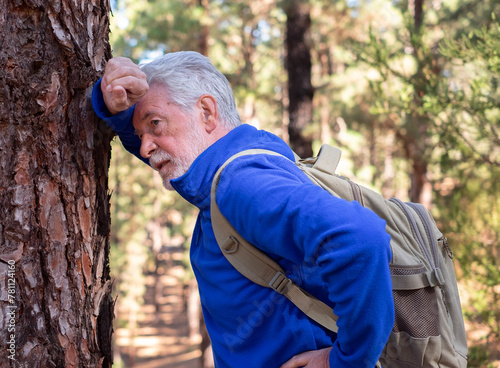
[(408, 89)]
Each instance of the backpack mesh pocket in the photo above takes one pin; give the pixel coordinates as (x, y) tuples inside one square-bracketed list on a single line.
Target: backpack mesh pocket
[(417, 311)]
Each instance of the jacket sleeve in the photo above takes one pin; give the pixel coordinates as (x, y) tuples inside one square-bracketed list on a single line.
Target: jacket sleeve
[(121, 123), (273, 205)]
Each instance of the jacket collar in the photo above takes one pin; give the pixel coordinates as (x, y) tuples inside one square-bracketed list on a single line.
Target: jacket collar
[(194, 186)]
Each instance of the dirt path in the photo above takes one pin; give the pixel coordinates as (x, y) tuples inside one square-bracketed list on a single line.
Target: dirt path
[(162, 337)]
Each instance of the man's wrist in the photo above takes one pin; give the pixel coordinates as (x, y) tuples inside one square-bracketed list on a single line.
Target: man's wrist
[(120, 122), (98, 103)]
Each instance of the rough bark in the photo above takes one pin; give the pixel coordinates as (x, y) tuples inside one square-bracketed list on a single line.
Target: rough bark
[(298, 65), (54, 206)]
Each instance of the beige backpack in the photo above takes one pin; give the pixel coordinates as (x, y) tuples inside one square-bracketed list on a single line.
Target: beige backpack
[(428, 330)]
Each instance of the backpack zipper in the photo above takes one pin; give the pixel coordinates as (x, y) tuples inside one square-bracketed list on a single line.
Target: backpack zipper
[(356, 192), (447, 246), (432, 240), (414, 227)]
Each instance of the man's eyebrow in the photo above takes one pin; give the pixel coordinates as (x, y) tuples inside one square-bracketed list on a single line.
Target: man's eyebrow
[(148, 114)]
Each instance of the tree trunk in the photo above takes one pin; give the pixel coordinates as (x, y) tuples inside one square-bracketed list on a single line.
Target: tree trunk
[(416, 8), (54, 156), (388, 173), (298, 64), (421, 190), (420, 186), (205, 29)]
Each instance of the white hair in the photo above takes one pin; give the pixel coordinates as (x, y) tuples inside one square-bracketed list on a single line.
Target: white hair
[(187, 75)]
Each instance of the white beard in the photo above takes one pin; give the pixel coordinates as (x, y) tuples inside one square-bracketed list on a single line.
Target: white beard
[(194, 146)]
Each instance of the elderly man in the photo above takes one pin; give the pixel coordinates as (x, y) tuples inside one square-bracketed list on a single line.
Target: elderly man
[(178, 114)]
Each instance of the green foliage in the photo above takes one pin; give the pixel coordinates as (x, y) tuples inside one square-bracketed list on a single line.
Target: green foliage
[(474, 101), (470, 216), (478, 358), (468, 121), (140, 28)]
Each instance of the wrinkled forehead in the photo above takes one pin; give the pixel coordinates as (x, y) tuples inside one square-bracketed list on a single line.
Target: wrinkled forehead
[(154, 101), (157, 104)]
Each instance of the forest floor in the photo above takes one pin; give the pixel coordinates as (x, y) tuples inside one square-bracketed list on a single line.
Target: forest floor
[(162, 337)]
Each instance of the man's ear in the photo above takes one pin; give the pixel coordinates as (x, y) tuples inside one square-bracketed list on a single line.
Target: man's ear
[(209, 112)]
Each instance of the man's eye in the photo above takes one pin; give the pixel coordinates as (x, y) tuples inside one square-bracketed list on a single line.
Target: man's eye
[(155, 122)]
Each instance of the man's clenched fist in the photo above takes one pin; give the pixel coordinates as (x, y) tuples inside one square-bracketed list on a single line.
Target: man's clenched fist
[(123, 84)]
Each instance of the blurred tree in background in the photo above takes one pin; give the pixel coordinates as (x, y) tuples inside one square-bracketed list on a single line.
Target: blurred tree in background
[(408, 89)]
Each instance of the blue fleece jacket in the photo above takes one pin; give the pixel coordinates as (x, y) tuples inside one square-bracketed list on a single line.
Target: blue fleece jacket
[(335, 249)]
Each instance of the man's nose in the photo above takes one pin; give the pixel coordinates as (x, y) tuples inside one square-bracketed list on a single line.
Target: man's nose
[(148, 146)]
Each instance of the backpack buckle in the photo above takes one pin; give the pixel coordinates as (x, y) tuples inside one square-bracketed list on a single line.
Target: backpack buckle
[(230, 245), (439, 276), (280, 283)]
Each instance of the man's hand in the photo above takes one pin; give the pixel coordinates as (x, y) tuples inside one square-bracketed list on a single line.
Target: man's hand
[(123, 84), (310, 359)]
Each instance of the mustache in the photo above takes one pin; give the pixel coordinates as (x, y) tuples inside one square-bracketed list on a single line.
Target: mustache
[(159, 156)]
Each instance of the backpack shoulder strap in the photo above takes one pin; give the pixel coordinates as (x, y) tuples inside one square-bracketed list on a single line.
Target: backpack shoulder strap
[(256, 265)]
